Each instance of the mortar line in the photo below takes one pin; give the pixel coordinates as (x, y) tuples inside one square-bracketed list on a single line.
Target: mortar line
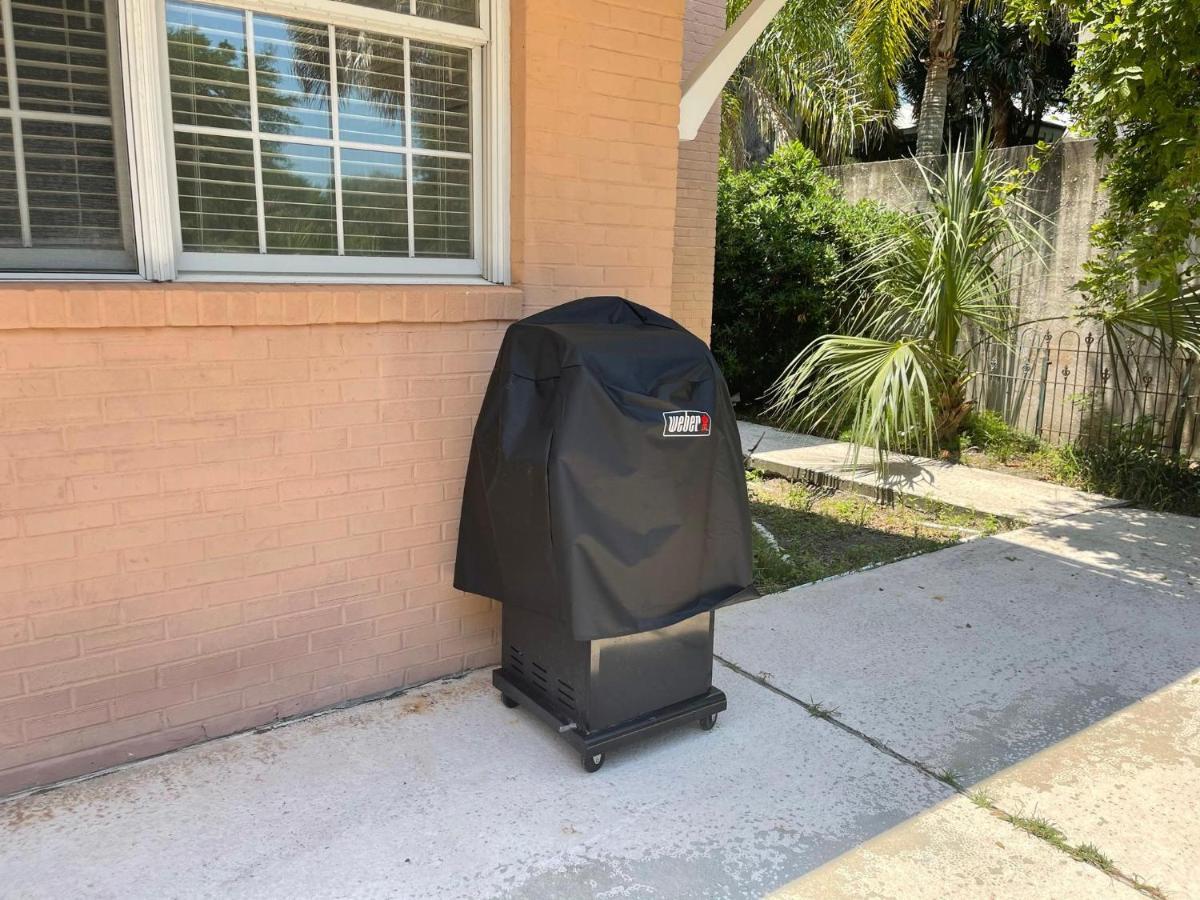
[(818, 713)]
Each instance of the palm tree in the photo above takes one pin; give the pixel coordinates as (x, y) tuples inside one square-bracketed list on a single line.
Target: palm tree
[(800, 81), (885, 33), (896, 379), (1006, 77)]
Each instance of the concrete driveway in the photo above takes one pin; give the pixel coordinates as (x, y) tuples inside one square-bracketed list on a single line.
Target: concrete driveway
[(1056, 668)]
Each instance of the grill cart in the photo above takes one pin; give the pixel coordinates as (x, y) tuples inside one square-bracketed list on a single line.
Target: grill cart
[(605, 508)]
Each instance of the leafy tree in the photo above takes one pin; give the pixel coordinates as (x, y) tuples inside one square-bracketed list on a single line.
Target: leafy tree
[(785, 236), (895, 376), (1137, 90)]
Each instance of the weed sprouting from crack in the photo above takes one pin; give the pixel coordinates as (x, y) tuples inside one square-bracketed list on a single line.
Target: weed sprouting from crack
[(820, 711), (981, 799), (951, 778), (1043, 829)]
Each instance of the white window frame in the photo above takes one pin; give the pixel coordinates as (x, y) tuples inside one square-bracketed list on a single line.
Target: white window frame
[(29, 256), (151, 148)]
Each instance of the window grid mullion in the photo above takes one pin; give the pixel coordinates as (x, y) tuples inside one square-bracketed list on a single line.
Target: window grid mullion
[(408, 143), (334, 102), (256, 141), (14, 106), (315, 141)]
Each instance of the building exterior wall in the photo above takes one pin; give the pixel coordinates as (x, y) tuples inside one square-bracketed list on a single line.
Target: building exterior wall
[(696, 204), (225, 504)]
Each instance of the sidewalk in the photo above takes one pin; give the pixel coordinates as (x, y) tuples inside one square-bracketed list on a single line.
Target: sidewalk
[(800, 456), (1055, 665)]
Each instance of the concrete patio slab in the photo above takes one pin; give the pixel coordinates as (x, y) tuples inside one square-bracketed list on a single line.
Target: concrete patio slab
[(975, 657), (1131, 783), (955, 850), (444, 793), (795, 456)]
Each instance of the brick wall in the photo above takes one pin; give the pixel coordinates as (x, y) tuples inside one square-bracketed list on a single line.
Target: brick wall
[(225, 504), (696, 212), (595, 148)]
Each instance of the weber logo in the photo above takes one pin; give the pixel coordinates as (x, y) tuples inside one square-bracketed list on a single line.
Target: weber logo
[(686, 423)]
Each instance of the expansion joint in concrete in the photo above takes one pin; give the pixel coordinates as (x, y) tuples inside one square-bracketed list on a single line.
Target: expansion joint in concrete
[(819, 711)]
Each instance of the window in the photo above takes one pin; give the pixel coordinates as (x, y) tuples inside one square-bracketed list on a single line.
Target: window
[(290, 138), (63, 194)]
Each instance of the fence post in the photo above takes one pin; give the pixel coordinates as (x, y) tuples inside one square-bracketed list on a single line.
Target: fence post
[(1041, 407)]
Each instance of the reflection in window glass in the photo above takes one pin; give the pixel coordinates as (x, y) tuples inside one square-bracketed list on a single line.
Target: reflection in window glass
[(298, 198), (292, 71), (344, 183), (370, 89), (442, 206), (375, 203), (217, 207), (210, 80), (460, 12), (441, 97)]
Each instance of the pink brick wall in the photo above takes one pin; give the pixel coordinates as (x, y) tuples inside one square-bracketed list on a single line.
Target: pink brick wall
[(225, 504), (696, 212), (595, 147)]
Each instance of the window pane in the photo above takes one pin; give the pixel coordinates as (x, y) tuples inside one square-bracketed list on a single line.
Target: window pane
[(374, 204), (441, 97), (10, 216), (61, 54), (298, 198), (370, 88), (216, 193), (66, 210), (72, 183), (210, 82), (442, 206), (292, 68), (461, 12)]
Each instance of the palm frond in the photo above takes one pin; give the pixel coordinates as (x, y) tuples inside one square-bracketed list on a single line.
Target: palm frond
[(882, 39), (882, 393), (801, 72)]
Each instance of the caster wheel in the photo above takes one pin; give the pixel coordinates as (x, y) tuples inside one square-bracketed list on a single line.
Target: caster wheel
[(707, 723), (593, 761), (509, 701)]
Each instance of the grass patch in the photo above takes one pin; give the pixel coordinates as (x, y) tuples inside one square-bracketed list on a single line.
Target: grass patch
[(818, 533)]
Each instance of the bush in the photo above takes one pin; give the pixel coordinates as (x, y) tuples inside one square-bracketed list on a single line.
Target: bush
[(785, 236), (988, 431), (1129, 465)]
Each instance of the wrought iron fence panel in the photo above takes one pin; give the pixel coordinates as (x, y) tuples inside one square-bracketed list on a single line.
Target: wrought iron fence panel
[(1070, 386)]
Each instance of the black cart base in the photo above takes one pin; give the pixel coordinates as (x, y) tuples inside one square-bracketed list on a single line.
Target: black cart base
[(593, 745), (603, 693)]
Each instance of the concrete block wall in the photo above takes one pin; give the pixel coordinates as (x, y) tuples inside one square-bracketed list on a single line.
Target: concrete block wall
[(224, 504)]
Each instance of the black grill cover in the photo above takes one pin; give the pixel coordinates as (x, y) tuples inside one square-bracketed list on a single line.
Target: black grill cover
[(605, 487)]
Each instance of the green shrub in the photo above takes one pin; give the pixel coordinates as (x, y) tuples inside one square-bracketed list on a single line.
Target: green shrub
[(1129, 465), (988, 431), (785, 236)]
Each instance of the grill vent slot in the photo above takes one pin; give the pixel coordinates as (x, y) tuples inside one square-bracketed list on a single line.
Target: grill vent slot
[(540, 677), (516, 660), (566, 694)]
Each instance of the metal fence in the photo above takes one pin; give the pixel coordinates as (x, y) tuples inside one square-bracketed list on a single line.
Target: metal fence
[(1068, 387)]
